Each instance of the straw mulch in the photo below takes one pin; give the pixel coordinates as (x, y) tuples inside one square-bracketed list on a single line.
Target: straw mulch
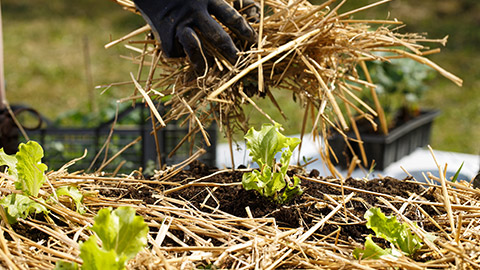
[(313, 52), (183, 236)]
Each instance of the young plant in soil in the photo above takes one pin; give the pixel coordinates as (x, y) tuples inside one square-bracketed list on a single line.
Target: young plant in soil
[(271, 180), (28, 172), (122, 233), (387, 227)]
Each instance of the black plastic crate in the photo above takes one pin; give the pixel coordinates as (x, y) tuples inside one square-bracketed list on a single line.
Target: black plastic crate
[(386, 149), (64, 144)]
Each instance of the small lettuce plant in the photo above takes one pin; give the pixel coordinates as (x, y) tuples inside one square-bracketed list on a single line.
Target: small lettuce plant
[(271, 179), (122, 233), (28, 172), (402, 239)]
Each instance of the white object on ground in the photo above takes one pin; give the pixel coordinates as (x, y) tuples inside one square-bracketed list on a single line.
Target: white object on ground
[(417, 162)]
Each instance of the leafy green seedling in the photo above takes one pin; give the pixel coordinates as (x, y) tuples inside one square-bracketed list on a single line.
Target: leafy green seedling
[(28, 171), (29, 174), (31, 170), (371, 251), (74, 194), (387, 227), (123, 235), (271, 180), (21, 206), (454, 179)]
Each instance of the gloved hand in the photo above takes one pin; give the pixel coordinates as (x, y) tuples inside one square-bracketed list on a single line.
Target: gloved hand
[(186, 27)]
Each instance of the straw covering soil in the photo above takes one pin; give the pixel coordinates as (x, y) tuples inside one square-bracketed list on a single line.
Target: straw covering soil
[(202, 218)]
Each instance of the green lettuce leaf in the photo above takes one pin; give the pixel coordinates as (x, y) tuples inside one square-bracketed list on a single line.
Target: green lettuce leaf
[(371, 251), (251, 181), (399, 234), (123, 235), (270, 181), (75, 195), (267, 142), (21, 206), (31, 171), (10, 161), (292, 190), (121, 231), (97, 258), (274, 185)]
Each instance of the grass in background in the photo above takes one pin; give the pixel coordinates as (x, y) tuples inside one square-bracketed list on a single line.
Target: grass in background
[(48, 45), (44, 43)]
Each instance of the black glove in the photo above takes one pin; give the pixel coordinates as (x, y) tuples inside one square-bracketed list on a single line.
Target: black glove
[(187, 27)]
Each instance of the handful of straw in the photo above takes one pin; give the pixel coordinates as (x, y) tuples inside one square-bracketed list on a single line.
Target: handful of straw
[(310, 50)]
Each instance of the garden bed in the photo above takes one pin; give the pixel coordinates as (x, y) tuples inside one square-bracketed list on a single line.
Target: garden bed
[(202, 217)]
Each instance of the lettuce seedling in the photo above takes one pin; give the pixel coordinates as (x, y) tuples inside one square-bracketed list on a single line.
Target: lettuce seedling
[(387, 227), (28, 171), (29, 174), (31, 170), (271, 180), (21, 206), (74, 194), (371, 251), (123, 235)]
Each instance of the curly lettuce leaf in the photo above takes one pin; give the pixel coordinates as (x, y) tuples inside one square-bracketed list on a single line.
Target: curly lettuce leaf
[(75, 195), (31, 171), (121, 230), (267, 142), (399, 234), (21, 206), (123, 235), (252, 180), (97, 258), (371, 251), (10, 161), (292, 190), (270, 181)]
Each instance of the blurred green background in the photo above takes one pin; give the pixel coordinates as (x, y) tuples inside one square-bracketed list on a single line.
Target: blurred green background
[(54, 56)]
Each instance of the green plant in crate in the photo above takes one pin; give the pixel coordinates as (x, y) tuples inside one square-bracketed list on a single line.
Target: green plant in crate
[(401, 83), (271, 180)]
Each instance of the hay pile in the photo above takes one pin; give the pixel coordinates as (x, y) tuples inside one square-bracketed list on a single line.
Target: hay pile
[(185, 237), (312, 51)]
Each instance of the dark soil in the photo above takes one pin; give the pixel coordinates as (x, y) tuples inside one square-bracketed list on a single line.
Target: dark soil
[(305, 210)]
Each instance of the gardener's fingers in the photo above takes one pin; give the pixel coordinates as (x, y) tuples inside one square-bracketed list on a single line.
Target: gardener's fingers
[(215, 37), (193, 48), (232, 19)]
